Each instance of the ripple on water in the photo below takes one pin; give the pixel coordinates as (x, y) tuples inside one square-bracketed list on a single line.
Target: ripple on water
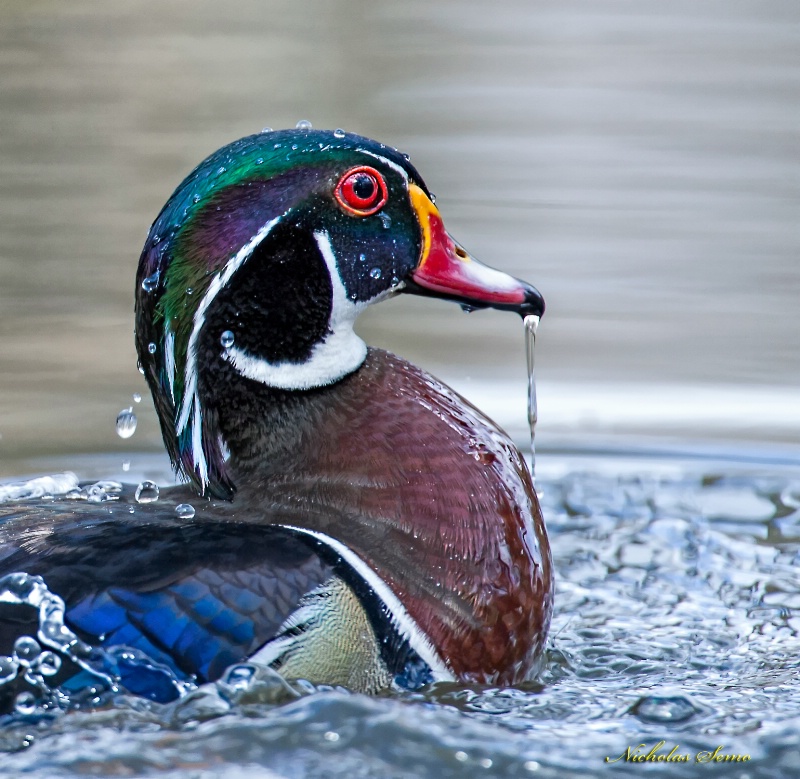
[(677, 617)]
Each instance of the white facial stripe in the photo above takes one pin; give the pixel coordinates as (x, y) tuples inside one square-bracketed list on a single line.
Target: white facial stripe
[(169, 360), (392, 165), (190, 381), (198, 455), (401, 619), (341, 352)]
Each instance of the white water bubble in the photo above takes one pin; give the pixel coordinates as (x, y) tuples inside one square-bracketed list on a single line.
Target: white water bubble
[(266, 129), (432, 197), (137, 398), (151, 282), (240, 677), (227, 339), (126, 465), (147, 492), (185, 511), (339, 133), (386, 220), (303, 124), (25, 703), (375, 273), (26, 649), (8, 669), (96, 494), (151, 347), (126, 422), (49, 664)]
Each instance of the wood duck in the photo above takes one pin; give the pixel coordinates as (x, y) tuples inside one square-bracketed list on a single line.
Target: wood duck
[(356, 521)]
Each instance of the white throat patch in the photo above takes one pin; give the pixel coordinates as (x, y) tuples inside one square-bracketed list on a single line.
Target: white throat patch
[(339, 353)]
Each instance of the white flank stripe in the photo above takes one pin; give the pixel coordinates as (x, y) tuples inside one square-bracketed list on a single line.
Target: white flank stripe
[(272, 650), (340, 353), (401, 619)]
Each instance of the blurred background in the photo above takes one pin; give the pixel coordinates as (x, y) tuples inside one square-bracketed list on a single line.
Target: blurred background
[(638, 162)]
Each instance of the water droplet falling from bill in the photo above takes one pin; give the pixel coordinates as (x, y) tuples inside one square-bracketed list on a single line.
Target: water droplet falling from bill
[(531, 325)]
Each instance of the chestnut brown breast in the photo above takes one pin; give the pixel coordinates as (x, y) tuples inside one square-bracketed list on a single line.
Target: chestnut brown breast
[(433, 496)]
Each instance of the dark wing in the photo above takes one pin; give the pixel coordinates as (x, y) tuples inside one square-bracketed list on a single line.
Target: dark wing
[(194, 595)]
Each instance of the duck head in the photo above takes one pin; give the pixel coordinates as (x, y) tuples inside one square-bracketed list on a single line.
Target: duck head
[(262, 259)]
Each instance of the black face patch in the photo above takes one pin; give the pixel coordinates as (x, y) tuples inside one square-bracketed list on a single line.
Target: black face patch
[(277, 305)]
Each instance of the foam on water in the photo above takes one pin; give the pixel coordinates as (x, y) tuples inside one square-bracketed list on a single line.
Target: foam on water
[(38, 487)]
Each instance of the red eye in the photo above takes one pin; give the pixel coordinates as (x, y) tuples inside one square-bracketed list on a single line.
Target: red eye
[(361, 191)]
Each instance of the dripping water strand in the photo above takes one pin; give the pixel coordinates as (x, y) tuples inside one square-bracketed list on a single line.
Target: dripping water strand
[(531, 325)]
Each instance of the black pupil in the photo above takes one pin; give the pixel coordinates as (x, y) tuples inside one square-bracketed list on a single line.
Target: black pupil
[(363, 186)]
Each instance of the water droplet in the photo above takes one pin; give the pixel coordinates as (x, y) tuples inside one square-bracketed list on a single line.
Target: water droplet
[(331, 735), (462, 757), (126, 422), (375, 273), (406, 157), (294, 146), (303, 124), (339, 133), (653, 708), (137, 398), (433, 198), (532, 765), (260, 161), (26, 650), (151, 282), (126, 465), (49, 664), (151, 347), (227, 339), (485, 762), (25, 703), (386, 220), (362, 257), (189, 290), (395, 281), (147, 492), (196, 199), (184, 511), (266, 129), (221, 170)]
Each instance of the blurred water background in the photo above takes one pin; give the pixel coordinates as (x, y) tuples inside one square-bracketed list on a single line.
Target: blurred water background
[(638, 161)]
